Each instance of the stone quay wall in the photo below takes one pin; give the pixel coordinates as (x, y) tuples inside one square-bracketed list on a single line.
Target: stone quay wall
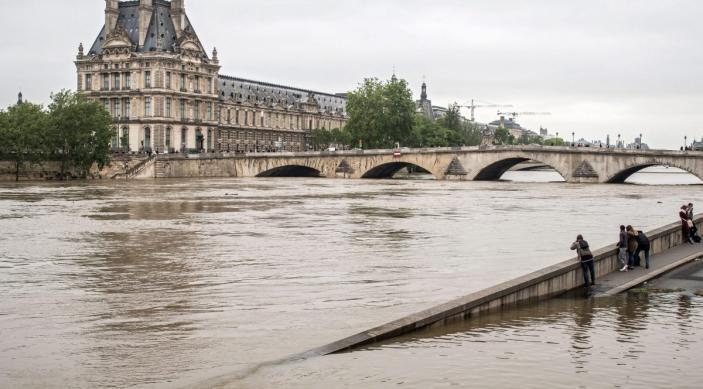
[(540, 285)]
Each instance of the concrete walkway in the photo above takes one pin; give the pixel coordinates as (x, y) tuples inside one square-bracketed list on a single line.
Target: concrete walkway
[(618, 282)]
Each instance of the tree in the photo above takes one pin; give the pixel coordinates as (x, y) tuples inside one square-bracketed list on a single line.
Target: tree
[(80, 132), (503, 136), (428, 133), (381, 113), (554, 142), (22, 132), (472, 134)]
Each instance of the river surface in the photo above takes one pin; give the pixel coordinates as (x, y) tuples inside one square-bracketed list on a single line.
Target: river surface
[(180, 283)]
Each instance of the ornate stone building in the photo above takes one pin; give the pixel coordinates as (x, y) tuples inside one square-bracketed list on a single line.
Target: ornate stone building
[(165, 93)]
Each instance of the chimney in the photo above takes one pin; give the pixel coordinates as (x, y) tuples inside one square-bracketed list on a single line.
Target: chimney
[(145, 10), (111, 14), (178, 14)]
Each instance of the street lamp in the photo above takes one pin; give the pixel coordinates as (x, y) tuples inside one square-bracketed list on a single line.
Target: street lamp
[(685, 142), (556, 141), (617, 146), (573, 138), (640, 141)]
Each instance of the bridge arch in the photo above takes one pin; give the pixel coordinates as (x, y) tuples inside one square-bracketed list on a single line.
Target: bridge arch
[(389, 169), (621, 176), (291, 171), (495, 170)]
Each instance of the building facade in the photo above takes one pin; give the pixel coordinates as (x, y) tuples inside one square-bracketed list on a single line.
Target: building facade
[(166, 94)]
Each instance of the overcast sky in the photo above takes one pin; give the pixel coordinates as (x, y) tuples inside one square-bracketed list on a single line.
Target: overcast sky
[(599, 66)]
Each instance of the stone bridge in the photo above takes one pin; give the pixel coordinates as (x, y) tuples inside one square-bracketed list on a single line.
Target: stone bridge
[(576, 165)]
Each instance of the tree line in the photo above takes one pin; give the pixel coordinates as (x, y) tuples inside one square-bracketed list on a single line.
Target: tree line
[(72, 130), (383, 114)]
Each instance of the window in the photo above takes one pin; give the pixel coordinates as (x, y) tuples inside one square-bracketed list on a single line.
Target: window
[(183, 109), (127, 80), (118, 111), (147, 106), (106, 104), (236, 116), (183, 83), (125, 139), (229, 116), (246, 118), (168, 80), (184, 136), (127, 108), (106, 82), (168, 107), (196, 84), (196, 110), (209, 86), (88, 81), (168, 138), (147, 80), (115, 139), (117, 81), (209, 111)]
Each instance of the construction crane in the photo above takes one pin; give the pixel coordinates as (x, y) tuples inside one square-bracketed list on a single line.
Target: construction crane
[(477, 104)]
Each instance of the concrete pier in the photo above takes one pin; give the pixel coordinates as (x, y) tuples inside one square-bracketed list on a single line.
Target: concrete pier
[(667, 253)]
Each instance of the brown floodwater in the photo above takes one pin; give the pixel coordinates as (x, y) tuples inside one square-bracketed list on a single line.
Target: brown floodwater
[(193, 282)]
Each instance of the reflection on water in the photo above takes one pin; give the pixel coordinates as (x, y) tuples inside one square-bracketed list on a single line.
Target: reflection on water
[(626, 341), (160, 283)]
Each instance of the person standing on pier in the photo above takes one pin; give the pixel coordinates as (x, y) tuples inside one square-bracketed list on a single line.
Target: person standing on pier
[(632, 248), (586, 258), (685, 224), (642, 246), (622, 249)]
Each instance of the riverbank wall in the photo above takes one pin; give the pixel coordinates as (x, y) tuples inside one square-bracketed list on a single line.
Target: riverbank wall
[(537, 286), (51, 170)]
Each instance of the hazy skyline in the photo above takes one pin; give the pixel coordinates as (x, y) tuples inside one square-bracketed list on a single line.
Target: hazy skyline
[(601, 67)]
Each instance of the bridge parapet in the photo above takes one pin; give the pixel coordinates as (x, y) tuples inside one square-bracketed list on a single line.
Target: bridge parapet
[(576, 165)]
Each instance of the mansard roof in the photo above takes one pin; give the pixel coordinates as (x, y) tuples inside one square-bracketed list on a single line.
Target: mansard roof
[(161, 33), (241, 89)]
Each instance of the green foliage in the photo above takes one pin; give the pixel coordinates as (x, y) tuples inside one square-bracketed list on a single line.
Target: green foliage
[(503, 137), (22, 135), (322, 138), (530, 140), (553, 142), (380, 113), (75, 131), (80, 132)]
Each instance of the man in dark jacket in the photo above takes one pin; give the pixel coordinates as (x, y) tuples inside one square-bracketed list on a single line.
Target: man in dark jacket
[(622, 249), (586, 258), (642, 246)]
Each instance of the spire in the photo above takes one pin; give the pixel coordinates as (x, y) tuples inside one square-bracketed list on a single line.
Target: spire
[(393, 77), (80, 51), (214, 55), (19, 98), (423, 95)]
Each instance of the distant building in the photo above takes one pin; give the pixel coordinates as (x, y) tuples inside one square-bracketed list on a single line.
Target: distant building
[(424, 105), (637, 144)]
